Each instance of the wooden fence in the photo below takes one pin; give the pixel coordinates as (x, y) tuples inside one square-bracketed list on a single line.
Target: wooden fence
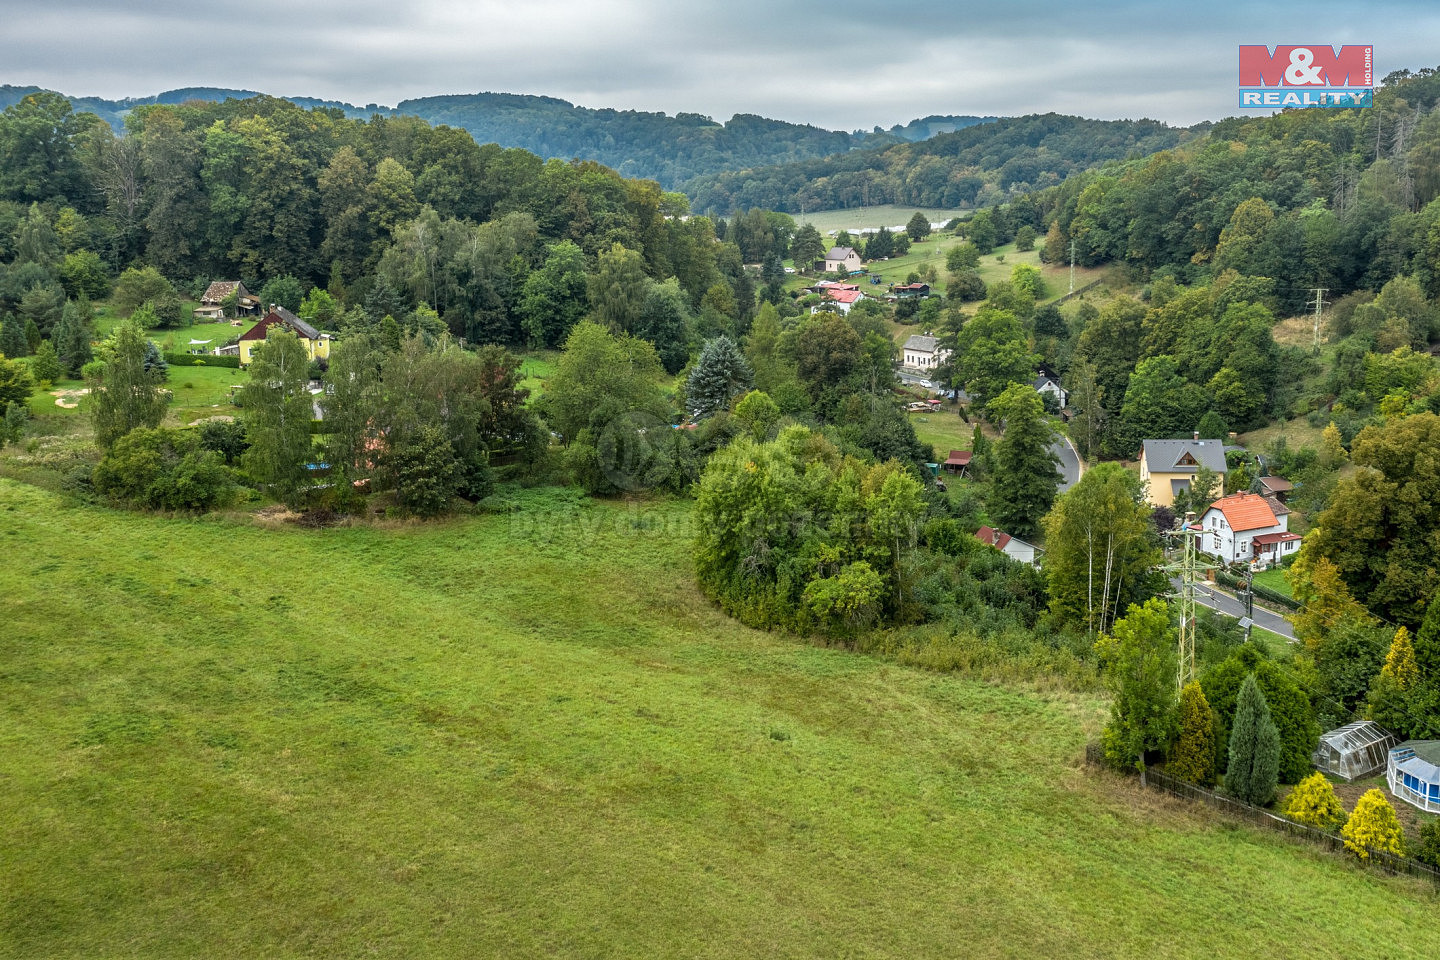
[(1260, 817)]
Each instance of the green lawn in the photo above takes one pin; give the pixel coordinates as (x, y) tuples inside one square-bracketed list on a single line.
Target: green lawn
[(1274, 579), (862, 218), (526, 735), (535, 369)]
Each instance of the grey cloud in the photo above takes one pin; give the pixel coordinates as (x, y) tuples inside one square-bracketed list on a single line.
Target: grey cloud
[(847, 67)]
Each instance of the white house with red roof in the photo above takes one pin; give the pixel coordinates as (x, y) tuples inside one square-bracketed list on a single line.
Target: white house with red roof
[(1244, 528), (1012, 547), (841, 296)]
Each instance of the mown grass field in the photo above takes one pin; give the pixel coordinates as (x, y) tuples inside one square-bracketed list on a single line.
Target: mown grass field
[(526, 735)]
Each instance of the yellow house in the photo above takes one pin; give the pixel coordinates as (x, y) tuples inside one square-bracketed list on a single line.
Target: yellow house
[(317, 344), (1168, 466)]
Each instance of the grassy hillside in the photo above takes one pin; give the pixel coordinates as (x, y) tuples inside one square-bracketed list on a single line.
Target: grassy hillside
[(526, 735)]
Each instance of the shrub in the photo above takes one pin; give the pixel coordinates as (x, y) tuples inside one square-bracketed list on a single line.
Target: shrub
[(138, 285), (1194, 756), (1314, 802), (1289, 706), (1428, 848), (1373, 826), (1254, 748), (163, 470)]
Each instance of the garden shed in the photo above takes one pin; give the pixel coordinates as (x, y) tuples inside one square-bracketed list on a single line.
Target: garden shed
[(1414, 773), (1355, 750)]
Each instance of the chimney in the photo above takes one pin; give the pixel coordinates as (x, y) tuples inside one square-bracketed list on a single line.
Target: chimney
[(1195, 434)]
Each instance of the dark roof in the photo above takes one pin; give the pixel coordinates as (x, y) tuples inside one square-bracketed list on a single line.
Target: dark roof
[(1170, 456), (1276, 484), (282, 316), (918, 341), (841, 253), (1275, 537), (1276, 507), (960, 458)]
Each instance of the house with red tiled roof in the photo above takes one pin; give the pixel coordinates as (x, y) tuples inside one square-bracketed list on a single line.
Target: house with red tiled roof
[(1244, 528), (841, 298), (1012, 547)]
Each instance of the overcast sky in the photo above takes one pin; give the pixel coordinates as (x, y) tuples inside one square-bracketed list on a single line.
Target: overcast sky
[(841, 65)]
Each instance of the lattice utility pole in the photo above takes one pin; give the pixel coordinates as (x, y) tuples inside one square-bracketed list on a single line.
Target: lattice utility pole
[(1190, 568), (1319, 305)]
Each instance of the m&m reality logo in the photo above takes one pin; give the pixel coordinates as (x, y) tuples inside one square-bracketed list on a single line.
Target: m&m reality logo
[(1314, 75)]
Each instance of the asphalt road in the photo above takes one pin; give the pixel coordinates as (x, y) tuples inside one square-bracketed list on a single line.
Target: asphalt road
[(1069, 467), (1209, 596)]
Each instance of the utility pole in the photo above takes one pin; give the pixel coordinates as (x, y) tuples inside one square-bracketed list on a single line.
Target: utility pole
[(1189, 567), (1319, 305), (1072, 264)]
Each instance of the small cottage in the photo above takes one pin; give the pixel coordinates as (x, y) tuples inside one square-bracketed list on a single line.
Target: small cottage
[(842, 260), (212, 301), (1012, 547), (958, 462)]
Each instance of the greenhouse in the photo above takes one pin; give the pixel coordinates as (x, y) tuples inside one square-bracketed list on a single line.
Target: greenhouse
[(1355, 750), (1414, 773)]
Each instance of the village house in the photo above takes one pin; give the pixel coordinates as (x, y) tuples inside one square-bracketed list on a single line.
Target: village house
[(841, 297), (316, 344), (842, 259), (212, 301), (1012, 547), (1047, 385), (1243, 528), (923, 352), (1169, 466)]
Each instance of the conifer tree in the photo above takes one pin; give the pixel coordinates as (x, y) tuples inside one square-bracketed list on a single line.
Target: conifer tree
[(73, 336), (12, 338), (1400, 661), (1373, 826), (720, 375), (45, 365), (1313, 802), (1332, 450), (1138, 661), (1194, 756), (1254, 748), (1025, 475)]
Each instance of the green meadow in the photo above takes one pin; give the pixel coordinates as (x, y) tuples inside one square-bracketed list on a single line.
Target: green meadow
[(525, 734)]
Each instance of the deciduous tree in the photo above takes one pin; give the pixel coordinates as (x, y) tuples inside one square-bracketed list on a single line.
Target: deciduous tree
[(1138, 662), (1025, 467)]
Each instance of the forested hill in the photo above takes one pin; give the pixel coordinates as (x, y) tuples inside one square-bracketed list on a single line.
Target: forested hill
[(976, 165), (670, 149), (113, 112)]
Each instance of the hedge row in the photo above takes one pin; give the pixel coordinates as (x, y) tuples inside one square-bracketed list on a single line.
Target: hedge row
[(1263, 593), (202, 360)]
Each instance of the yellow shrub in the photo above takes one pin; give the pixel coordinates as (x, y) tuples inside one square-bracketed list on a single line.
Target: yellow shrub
[(1373, 826), (1313, 802)]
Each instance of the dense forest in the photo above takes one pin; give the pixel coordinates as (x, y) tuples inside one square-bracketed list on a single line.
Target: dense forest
[(671, 150), (980, 164)]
